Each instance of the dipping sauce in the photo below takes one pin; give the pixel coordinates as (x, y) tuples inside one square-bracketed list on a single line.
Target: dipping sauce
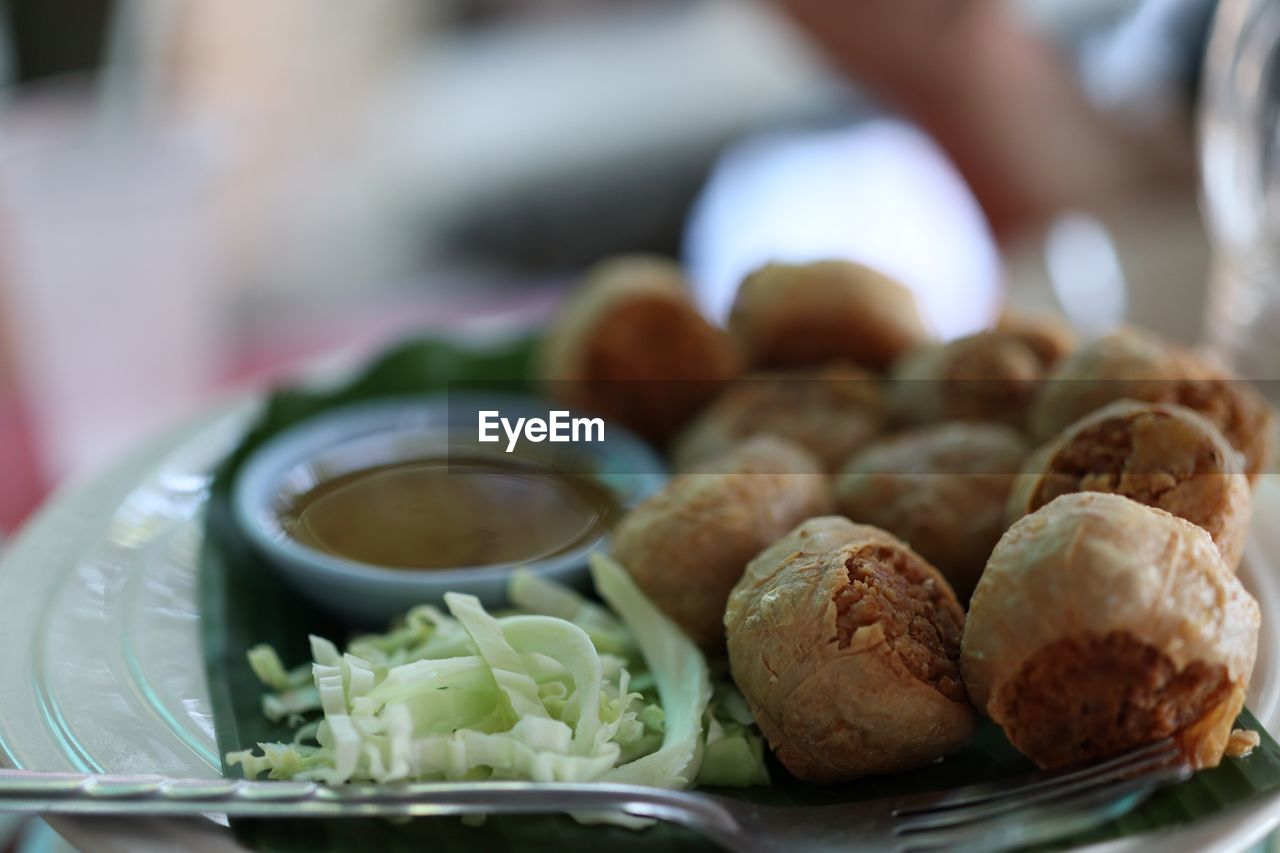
[(450, 513)]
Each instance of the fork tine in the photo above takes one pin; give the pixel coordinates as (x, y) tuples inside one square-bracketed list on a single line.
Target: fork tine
[(1046, 821), (991, 791), (953, 814)]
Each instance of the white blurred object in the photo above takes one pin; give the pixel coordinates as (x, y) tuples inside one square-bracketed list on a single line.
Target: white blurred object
[(111, 267), (373, 129), (1121, 69), (130, 85), (480, 113), (307, 220), (1160, 252), (1085, 272), (486, 111), (880, 193)]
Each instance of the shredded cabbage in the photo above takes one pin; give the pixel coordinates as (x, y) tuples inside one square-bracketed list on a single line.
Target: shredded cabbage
[(680, 672), (563, 690)]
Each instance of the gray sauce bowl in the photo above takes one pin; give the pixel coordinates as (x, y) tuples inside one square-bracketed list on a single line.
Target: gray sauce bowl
[(401, 429)]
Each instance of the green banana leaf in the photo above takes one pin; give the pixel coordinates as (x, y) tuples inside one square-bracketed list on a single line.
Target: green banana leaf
[(244, 603)]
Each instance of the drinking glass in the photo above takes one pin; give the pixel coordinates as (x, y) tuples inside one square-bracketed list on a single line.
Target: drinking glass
[(113, 282), (1240, 162)]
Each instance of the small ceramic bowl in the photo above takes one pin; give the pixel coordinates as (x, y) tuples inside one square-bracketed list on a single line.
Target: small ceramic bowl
[(363, 436)]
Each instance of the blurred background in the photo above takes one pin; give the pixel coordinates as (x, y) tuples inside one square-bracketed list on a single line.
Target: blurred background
[(199, 196)]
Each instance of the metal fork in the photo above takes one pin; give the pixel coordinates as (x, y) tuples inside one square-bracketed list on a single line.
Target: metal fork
[(1031, 809)]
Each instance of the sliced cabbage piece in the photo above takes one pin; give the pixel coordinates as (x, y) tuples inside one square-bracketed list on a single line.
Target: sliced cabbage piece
[(535, 594)]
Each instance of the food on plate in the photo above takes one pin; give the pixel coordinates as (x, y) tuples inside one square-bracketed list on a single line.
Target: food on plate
[(449, 512), (1050, 337), (630, 345), (1242, 742), (940, 488), (846, 644), (563, 691), (830, 411), (1161, 455), (1138, 365), (1099, 569), (796, 315), (1101, 624), (686, 545), (988, 376)]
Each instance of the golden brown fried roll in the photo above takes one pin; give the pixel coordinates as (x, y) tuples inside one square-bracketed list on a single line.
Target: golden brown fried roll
[(846, 645), (942, 489), (1137, 365), (1101, 624), (829, 411), (1050, 338), (687, 545), (1160, 455), (988, 376), (833, 311), (630, 345)]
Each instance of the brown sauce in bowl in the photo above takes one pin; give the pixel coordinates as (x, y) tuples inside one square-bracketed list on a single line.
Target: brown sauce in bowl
[(448, 513)]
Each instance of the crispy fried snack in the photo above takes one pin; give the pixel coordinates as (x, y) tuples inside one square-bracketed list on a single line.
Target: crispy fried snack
[(1137, 365), (942, 489), (1051, 338), (845, 643), (1101, 624), (1161, 455), (832, 311), (988, 376), (687, 545), (631, 346), (829, 411)]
